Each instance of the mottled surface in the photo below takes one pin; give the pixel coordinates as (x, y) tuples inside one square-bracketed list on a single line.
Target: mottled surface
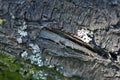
[(100, 16)]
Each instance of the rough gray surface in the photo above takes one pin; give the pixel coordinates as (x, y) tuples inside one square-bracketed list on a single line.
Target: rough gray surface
[(101, 16)]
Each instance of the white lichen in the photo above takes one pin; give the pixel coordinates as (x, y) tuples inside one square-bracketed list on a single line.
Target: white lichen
[(24, 54), (36, 57), (40, 75), (19, 40), (35, 48), (12, 16), (85, 35), (22, 32), (51, 66), (24, 26)]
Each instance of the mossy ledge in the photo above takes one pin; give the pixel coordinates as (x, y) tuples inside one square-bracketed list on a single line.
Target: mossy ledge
[(21, 69)]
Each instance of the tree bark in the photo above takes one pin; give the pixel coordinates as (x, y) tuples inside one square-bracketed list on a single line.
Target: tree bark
[(52, 25)]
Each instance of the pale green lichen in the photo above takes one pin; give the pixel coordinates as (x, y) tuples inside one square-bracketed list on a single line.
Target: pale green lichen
[(1, 21)]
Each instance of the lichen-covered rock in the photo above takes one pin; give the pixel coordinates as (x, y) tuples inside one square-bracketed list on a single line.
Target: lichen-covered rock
[(18, 69)]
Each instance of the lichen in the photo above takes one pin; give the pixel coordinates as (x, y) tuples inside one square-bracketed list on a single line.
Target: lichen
[(22, 32), (35, 56), (24, 54), (85, 35), (1, 21), (12, 68), (35, 48), (19, 40)]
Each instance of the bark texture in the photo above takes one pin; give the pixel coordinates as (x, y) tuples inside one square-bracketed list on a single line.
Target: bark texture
[(58, 42)]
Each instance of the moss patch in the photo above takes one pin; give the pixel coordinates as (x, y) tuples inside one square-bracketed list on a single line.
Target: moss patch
[(21, 69)]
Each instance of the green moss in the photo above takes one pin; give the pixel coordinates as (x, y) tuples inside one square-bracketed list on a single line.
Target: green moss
[(9, 68), (8, 75), (21, 69), (9, 62)]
